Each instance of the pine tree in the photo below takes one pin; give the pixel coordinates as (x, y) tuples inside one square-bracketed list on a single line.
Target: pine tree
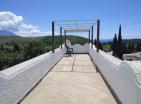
[(114, 45), (119, 44)]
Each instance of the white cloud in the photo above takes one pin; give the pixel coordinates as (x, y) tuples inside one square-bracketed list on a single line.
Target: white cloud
[(12, 22)]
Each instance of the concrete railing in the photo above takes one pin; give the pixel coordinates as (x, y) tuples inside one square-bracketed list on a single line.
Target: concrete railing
[(17, 81), (123, 77)]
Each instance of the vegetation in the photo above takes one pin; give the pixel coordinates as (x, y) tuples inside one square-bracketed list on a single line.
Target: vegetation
[(100, 45), (107, 47), (119, 50), (13, 53), (114, 45), (14, 50), (120, 47), (131, 46), (117, 45)]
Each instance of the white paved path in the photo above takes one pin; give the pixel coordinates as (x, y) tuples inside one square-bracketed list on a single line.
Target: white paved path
[(73, 80)]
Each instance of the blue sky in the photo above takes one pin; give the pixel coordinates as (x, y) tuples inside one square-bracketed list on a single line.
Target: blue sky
[(112, 13)]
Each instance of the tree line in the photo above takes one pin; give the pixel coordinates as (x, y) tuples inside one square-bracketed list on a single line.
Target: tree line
[(14, 50), (120, 46), (13, 53)]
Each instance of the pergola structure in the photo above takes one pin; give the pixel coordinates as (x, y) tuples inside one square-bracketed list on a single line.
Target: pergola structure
[(69, 26)]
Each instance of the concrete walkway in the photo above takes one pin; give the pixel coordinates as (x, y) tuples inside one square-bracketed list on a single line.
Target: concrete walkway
[(73, 80)]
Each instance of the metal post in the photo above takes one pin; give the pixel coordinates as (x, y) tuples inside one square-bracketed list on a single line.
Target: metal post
[(98, 32), (53, 33), (92, 37), (65, 37), (61, 36)]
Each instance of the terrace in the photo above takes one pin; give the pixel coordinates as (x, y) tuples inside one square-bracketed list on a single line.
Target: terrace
[(88, 76)]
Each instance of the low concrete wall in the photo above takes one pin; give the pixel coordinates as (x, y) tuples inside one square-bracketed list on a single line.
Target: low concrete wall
[(78, 48), (123, 77), (16, 81)]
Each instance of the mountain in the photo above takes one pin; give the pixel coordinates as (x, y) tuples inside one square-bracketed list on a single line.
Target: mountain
[(6, 33)]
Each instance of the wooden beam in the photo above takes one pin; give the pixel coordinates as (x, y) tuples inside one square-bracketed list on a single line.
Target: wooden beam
[(92, 37), (61, 36), (98, 32), (53, 33)]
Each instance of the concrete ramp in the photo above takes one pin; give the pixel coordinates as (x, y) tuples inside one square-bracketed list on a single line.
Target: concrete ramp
[(73, 80)]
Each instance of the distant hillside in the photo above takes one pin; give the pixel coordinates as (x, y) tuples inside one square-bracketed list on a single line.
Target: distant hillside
[(45, 39), (6, 33), (15, 49)]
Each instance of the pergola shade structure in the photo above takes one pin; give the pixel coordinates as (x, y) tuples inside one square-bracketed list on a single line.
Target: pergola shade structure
[(70, 26)]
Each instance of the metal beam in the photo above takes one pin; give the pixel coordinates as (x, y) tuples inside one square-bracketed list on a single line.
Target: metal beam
[(76, 30), (61, 36), (98, 32), (53, 33), (75, 24)]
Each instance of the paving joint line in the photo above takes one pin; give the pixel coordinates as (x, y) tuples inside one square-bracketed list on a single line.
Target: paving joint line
[(73, 63)]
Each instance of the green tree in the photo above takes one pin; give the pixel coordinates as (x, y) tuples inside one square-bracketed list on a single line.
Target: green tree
[(139, 46), (16, 47), (1, 47), (114, 45), (119, 44), (1, 64)]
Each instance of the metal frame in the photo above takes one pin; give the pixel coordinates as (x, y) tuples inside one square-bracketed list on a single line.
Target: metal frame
[(76, 26)]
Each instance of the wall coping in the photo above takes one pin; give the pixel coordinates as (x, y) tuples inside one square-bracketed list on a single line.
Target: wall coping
[(16, 69), (133, 66)]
